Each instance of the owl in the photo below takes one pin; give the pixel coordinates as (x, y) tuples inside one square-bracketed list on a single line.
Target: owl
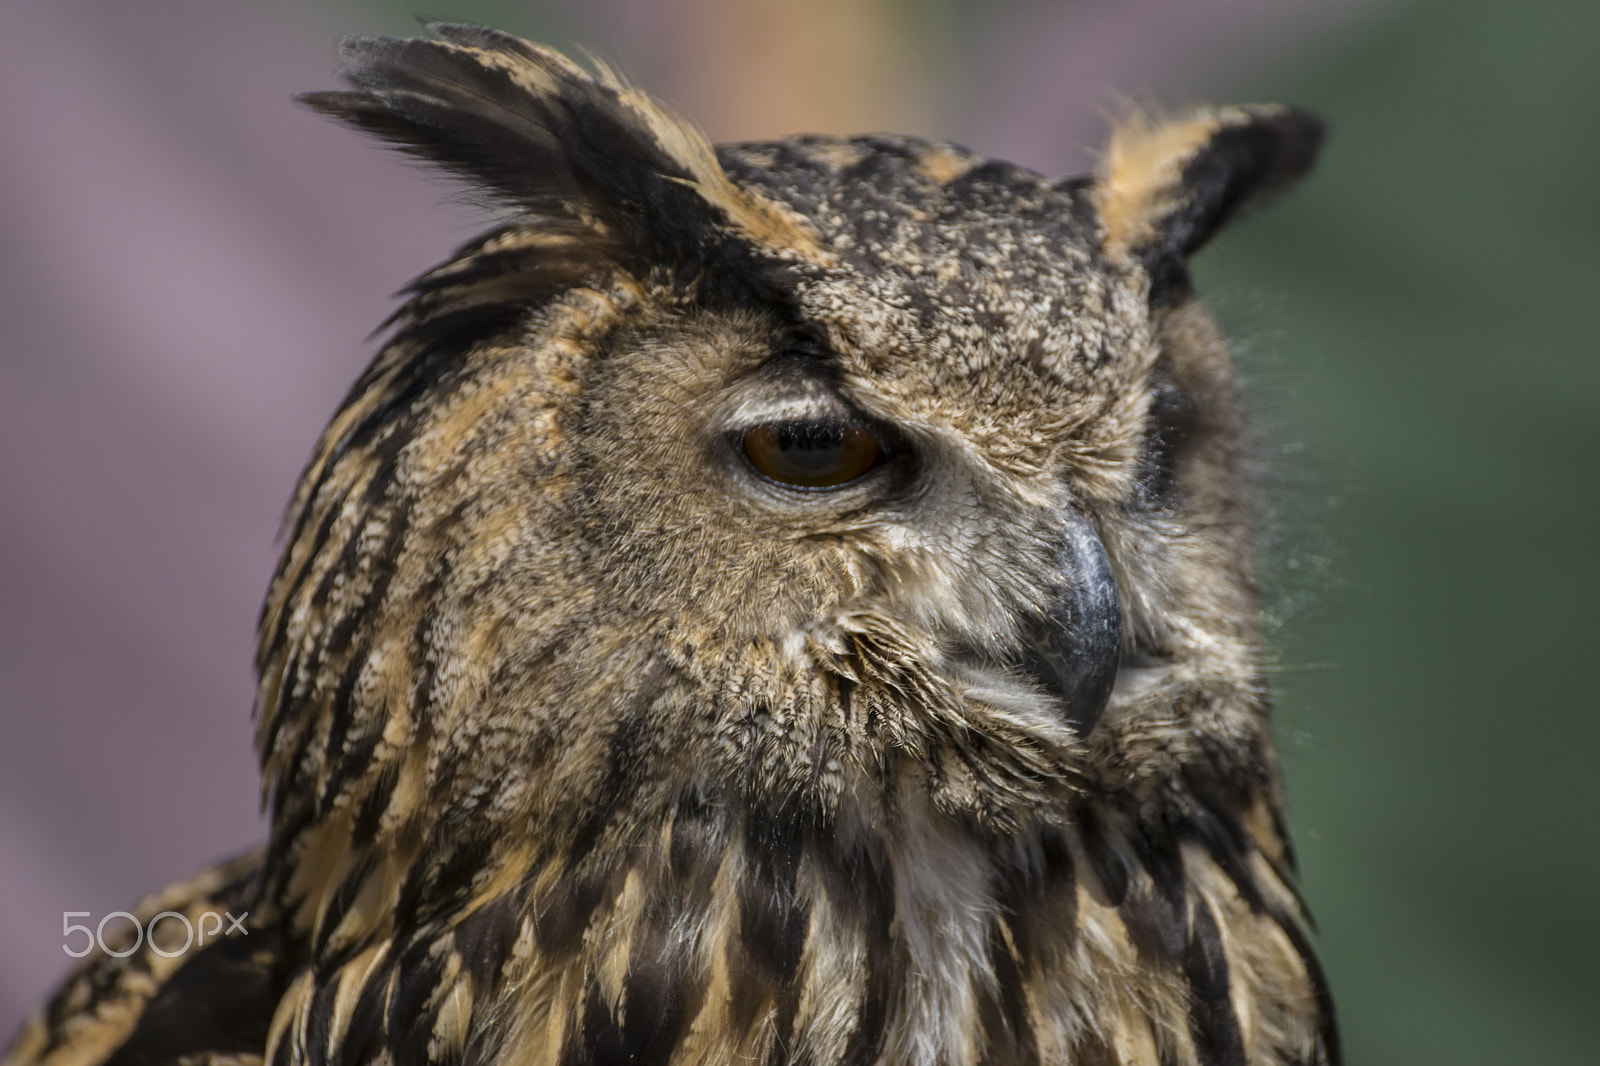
[(785, 603)]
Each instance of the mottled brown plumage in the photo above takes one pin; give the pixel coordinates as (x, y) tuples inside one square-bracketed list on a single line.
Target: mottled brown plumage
[(587, 743)]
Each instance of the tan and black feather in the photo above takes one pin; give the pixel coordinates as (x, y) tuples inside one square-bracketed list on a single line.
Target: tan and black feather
[(587, 744)]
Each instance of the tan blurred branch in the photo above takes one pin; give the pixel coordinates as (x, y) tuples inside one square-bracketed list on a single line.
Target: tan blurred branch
[(764, 68)]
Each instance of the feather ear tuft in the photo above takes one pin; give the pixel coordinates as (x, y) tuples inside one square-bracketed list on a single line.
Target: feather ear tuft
[(534, 130), (1165, 187)]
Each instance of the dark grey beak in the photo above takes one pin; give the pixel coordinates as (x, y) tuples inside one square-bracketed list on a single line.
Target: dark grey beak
[(1076, 647)]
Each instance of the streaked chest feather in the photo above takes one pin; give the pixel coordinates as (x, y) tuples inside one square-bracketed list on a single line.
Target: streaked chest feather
[(895, 935)]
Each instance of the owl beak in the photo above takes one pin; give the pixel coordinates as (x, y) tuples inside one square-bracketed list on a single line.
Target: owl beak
[(1076, 646)]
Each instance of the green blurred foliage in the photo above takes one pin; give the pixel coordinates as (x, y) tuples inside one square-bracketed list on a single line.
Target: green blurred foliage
[(1429, 298)]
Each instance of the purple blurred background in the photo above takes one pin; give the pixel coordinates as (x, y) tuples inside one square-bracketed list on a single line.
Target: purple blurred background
[(189, 265)]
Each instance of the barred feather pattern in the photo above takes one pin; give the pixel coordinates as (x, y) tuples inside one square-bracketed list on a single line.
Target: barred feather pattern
[(577, 756)]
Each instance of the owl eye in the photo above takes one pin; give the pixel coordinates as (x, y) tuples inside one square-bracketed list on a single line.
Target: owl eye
[(1174, 421), (812, 455)]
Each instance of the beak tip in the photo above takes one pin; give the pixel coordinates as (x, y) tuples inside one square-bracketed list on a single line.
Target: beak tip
[(1077, 645)]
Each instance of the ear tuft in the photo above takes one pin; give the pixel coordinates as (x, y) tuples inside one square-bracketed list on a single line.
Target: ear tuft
[(530, 128), (1165, 187)]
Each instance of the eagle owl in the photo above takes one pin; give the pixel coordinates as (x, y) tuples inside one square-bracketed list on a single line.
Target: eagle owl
[(788, 602)]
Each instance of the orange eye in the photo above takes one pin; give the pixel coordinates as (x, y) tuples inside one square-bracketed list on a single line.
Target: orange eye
[(812, 455)]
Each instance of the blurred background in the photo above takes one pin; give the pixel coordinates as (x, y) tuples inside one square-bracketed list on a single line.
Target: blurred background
[(189, 265)]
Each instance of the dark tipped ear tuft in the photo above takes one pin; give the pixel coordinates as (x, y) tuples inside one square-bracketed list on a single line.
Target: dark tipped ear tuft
[(1164, 188), (533, 130)]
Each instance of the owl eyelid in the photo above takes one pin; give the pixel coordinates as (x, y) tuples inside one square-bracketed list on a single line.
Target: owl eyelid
[(816, 406), (786, 388)]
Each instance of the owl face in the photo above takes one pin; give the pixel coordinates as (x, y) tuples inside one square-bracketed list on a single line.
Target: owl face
[(771, 471), (970, 388)]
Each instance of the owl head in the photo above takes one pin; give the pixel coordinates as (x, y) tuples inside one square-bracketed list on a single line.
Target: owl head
[(821, 475)]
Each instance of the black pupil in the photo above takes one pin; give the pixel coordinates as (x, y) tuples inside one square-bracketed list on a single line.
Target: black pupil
[(815, 449)]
